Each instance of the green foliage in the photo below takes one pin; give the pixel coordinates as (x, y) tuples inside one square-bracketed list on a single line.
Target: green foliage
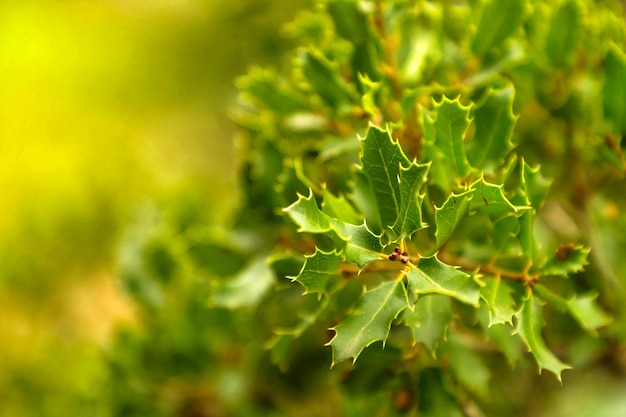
[(385, 171)]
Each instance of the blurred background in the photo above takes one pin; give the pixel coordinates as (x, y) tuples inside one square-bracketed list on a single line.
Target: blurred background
[(106, 107)]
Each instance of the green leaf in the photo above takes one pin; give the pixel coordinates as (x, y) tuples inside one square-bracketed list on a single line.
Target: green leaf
[(494, 121), (534, 185), (339, 208), (466, 365), (450, 214), (265, 87), (614, 89), (582, 308), (395, 182), (565, 27), (370, 322), (530, 322), (498, 20), (359, 244), (245, 289), (429, 320), (444, 136), (568, 259), (431, 276), (317, 271), (489, 198), (497, 294), (502, 335), (324, 77)]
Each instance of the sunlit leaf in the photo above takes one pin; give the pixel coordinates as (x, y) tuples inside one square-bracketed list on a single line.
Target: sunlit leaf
[(318, 270), (498, 20), (450, 214)]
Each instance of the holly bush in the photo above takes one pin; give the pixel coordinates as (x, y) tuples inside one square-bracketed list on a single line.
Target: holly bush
[(430, 215)]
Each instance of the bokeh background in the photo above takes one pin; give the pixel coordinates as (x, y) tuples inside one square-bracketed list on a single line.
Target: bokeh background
[(106, 107)]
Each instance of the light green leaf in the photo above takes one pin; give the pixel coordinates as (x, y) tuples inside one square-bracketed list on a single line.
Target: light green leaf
[(450, 214), (317, 271), (498, 20), (339, 208), (395, 182), (246, 288), (582, 308), (565, 27), (494, 121), (497, 294), (429, 320), (490, 199), (360, 245), (568, 259), (529, 324), (502, 335), (431, 276), (534, 185), (444, 136), (370, 322)]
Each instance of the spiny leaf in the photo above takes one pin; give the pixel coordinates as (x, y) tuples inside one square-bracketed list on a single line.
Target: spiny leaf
[(360, 245), (395, 182), (246, 288), (498, 296), (431, 276), (444, 135), (317, 271), (494, 122), (370, 322), (498, 20), (450, 214), (529, 324), (534, 185), (582, 308), (568, 259), (490, 199), (429, 320)]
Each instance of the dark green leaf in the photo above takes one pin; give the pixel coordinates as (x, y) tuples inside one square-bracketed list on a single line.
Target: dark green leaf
[(370, 322), (325, 80), (247, 288), (489, 198), (467, 366)]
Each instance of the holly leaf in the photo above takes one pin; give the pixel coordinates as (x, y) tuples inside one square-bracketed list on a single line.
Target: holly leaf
[(324, 77), (317, 271), (395, 182), (444, 136), (534, 185), (466, 365), (568, 259), (429, 320), (565, 26), (431, 276), (583, 308), (498, 20), (494, 121), (529, 324), (265, 87), (359, 244), (450, 214), (614, 90), (339, 208), (490, 199), (498, 297), (246, 288), (370, 322)]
